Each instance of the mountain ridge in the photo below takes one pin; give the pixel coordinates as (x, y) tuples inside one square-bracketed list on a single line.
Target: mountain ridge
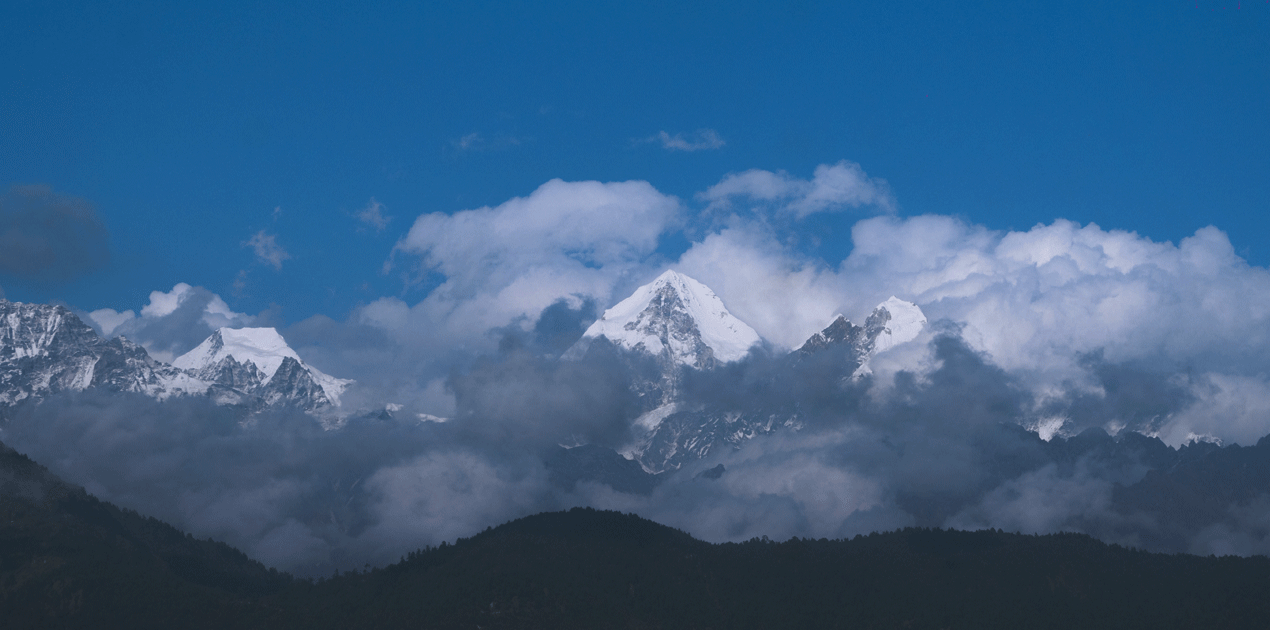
[(47, 349)]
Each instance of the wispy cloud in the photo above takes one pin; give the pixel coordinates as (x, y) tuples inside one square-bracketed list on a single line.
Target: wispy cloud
[(373, 215), (699, 140), (476, 141), (267, 249), (469, 142)]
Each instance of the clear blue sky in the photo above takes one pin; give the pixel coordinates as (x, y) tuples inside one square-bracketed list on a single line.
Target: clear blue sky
[(187, 126)]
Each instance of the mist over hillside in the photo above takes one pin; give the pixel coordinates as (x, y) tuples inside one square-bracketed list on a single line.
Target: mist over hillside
[(948, 446)]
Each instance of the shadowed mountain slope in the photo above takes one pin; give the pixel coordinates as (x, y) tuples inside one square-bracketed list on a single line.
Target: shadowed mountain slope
[(70, 560), (587, 568)]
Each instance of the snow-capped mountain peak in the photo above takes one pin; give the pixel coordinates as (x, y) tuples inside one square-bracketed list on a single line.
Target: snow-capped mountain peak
[(676, 317), (905, 322), (892, 323), (263, 348)]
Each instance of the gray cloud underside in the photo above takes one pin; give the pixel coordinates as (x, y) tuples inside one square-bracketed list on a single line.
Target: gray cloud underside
[(939, 449), (46, 236)]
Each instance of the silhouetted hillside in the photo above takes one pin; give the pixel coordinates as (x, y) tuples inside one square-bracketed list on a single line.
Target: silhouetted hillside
[(69, 560), (586, 568)]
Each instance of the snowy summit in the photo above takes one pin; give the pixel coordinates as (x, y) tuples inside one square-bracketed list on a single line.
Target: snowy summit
[(262, 347), (676, 317), (905, 321)]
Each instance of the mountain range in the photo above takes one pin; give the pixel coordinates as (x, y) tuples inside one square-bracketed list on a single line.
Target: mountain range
[(674, 321), (47, 349), (683, 326)]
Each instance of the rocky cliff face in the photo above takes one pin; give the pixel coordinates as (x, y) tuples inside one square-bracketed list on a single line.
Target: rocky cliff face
[(47, 349)]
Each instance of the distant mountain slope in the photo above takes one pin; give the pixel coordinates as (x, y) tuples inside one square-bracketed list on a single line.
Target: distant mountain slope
[(232, 350), (70, 560), (683, 326)]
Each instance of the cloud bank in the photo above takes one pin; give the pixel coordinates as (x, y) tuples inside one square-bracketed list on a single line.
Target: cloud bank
[(172, 322)]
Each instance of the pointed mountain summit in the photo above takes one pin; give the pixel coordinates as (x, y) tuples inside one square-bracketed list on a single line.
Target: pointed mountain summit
[(247, 358), (904, 322), (676, 434), (892, 323), (677, 318)]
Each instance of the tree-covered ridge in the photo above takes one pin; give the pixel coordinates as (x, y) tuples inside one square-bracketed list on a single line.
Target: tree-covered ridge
[(587, 568), (69, 560)]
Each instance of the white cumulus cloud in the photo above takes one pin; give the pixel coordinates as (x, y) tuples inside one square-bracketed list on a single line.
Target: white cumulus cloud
[(832, 187), (565, 239), (172, 322)]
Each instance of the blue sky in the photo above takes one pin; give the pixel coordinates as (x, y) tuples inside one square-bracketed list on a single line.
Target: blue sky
[(191, 129)]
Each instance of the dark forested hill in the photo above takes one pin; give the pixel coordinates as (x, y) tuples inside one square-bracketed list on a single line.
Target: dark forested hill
[(586, 568), (68, 560)]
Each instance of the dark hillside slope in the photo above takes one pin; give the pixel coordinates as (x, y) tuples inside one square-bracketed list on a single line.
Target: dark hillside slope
[(69, 560), (586, 568)]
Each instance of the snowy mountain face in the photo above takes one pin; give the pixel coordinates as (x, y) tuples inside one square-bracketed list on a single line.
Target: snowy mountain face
[(258, 361), (676, 319), (47, 349), (892, 323), (676, 435)]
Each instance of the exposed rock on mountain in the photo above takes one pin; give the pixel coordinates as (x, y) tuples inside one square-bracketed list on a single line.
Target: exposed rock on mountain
[(677, 319), (46, 350), (684, 326)]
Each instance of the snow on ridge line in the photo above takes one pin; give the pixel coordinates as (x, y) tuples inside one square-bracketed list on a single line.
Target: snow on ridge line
[(906, 323), (264, 348), (728, 337)]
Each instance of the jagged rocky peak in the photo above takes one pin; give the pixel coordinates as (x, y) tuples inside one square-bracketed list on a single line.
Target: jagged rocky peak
[(247, 358), (677, 318), (841, 331), (45, 349), (228, 372), (893, 322), (33, 330), (293, 384)]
